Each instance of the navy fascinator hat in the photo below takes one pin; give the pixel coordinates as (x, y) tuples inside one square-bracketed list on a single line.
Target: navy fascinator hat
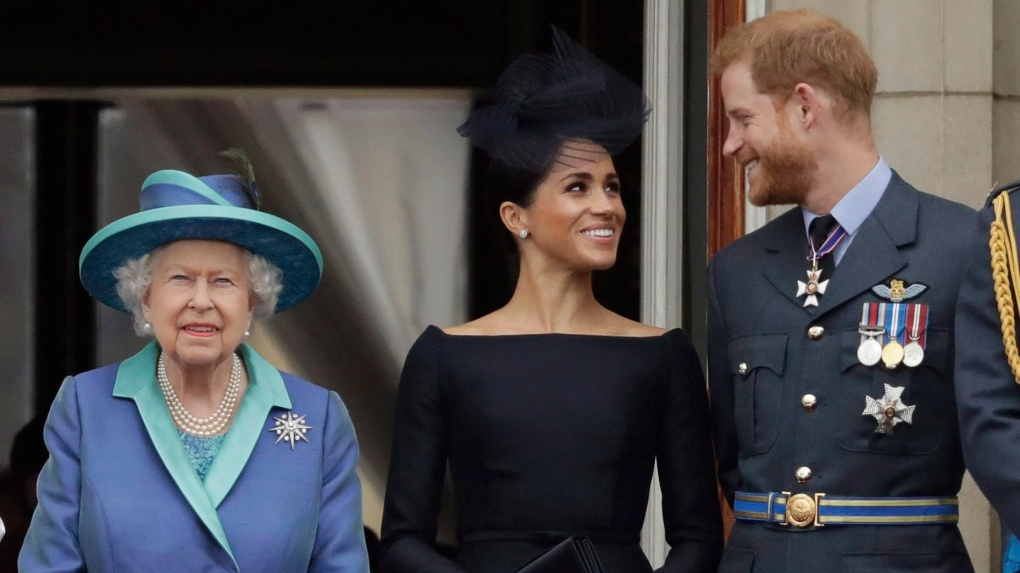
[(543, 102)]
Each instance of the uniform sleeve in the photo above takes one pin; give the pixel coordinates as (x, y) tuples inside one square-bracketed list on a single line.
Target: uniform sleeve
[(417, 468), (686, 469), (720, 385), (988, 396), (51, 543), (340, 537)]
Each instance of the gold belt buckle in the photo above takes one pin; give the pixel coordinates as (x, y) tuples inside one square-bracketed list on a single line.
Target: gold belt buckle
[(802, 509)]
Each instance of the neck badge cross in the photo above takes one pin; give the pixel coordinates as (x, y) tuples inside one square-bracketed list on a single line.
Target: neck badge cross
[(813, 287)]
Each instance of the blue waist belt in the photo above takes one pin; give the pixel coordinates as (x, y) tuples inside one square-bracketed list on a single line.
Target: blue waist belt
[(819, 509)]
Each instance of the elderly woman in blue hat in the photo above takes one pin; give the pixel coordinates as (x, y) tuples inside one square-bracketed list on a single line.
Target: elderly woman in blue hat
[(196, 454)]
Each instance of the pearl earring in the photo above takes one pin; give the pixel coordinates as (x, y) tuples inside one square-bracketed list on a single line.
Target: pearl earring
[(247, 333), (147, 328), (524, 233)]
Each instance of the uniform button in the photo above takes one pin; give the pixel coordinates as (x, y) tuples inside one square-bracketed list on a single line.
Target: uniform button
[(809, 401), (815, 332), (803, 474), (742, 368)]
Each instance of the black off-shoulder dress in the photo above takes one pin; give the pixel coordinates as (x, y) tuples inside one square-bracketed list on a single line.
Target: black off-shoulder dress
[(547, 436)]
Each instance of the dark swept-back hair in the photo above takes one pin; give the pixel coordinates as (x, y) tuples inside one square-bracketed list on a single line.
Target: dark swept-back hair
[(541, 105), (505, 183)]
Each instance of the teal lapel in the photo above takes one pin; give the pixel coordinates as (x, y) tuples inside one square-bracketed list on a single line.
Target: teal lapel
[(136, 379), (265, 390)]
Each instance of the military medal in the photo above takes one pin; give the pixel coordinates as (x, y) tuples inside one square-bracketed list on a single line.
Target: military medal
[(895, 313), (913, 354), (888, 410), (904, 324), (872, 329), (917, 321), (892, 354), (815, 286), (869, 353)]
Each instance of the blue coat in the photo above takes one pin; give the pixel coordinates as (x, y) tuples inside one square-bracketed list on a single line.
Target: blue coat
[(788, 390), (987, 392), (119, 493)]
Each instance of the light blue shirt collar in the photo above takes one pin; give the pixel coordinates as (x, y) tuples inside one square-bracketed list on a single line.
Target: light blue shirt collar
[(859, 202)]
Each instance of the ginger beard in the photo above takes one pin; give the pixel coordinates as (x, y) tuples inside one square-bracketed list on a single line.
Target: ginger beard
[(784, 173)]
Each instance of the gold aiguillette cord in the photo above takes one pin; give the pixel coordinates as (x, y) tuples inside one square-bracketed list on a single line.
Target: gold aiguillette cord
[(1005, 274)]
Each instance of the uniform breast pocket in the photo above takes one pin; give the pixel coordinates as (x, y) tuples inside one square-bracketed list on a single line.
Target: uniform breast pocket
[(758, 362), (927, 387)]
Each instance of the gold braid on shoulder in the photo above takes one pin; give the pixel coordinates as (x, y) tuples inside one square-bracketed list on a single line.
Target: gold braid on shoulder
[(1006, 275)]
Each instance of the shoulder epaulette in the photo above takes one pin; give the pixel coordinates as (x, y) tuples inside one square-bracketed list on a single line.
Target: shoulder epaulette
[(1001, 189)]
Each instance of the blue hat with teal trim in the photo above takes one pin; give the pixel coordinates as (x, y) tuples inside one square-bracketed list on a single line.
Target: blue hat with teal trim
[(177, 206)]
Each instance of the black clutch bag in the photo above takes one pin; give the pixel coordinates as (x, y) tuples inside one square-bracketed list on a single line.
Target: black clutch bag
[(572, 555)]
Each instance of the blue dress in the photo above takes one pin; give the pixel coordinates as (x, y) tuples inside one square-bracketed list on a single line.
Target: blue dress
[(201, 451)]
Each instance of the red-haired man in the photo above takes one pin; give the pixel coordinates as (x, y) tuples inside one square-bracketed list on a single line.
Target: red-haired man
[(831, 328)]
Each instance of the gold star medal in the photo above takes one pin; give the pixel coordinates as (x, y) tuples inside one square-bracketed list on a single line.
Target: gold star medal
[(290, 428)]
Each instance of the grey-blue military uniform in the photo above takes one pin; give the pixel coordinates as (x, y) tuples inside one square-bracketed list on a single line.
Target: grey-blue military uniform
[(816, 487), (988, 393)]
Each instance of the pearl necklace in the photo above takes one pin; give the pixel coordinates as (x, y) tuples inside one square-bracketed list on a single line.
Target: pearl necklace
[(202, 427)]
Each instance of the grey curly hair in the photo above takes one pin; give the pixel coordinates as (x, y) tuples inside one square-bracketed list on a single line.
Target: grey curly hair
[(134, 277)]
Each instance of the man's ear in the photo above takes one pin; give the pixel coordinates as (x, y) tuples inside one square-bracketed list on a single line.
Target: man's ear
[(807, 103)]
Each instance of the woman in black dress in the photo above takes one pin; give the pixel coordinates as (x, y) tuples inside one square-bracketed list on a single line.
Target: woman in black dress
[(552, 410)]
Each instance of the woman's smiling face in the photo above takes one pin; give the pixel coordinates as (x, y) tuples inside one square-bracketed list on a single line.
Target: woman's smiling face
[(576, 214), (199, 302)]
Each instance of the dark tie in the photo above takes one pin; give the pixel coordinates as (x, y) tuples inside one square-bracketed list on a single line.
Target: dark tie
[(819, 229)]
